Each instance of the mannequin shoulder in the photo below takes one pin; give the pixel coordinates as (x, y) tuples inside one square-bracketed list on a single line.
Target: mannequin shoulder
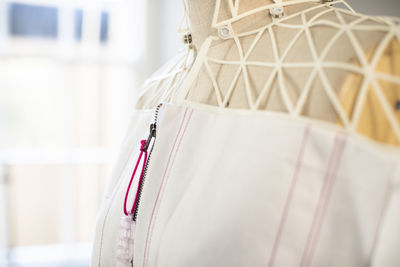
[(160, 86)]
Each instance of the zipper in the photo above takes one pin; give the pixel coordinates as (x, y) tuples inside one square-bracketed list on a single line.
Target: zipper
[(152, 135)]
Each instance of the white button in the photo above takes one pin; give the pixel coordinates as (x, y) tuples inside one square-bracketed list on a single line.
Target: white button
[(225, 32)]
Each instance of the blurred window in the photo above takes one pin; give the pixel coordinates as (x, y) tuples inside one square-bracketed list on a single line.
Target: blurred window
[(31, 20), (78, 23), (28, 20), (69, 73), (104, 27)]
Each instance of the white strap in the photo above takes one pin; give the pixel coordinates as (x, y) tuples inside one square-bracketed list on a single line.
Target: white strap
[(193, 74), (184, 24)]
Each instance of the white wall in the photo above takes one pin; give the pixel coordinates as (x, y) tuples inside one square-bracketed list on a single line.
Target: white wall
[(164, 40), (377, 7)]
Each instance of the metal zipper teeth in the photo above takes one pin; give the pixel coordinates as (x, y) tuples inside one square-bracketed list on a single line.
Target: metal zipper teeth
[(140, 189)]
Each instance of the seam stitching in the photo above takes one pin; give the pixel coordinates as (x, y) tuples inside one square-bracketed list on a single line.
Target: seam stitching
[(289, 197), (323, 201), (152, 218)]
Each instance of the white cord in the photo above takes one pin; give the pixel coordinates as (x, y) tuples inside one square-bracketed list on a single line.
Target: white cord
[(184, 24)]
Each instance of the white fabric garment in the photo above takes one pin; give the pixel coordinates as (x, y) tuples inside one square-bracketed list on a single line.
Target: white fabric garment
[(237, 188)]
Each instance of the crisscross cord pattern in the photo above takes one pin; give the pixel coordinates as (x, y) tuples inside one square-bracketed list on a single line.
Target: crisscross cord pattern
[(318, 63), (163, 85)]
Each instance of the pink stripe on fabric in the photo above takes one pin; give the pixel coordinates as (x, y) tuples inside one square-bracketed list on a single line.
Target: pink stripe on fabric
[(323, 201), (102, 228), (289, 197), (166, 182), (149, 229)]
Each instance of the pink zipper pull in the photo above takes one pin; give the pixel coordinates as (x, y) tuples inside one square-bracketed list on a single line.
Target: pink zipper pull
[(143, 150), (128, 225), (124, 249)]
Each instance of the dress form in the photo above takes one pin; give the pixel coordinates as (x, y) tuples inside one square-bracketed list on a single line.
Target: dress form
[(222, 88), (321, 52)]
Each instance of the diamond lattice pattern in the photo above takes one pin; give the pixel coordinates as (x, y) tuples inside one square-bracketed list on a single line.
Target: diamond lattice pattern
[(324, 62)]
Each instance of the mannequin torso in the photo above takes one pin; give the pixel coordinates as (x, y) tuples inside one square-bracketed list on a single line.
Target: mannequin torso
[(311, 62)]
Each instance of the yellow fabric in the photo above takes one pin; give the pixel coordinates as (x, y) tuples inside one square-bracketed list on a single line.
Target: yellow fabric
[(373, 122)]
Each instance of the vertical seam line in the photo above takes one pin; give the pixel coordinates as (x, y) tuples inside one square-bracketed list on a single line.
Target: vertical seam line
[(289, 197), (322, 204), (156, 203)]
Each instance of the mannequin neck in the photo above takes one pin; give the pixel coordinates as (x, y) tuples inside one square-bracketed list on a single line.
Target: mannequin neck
[(201, 14)]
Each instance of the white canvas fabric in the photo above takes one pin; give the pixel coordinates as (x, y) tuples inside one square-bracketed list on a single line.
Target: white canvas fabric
[(227, 188)]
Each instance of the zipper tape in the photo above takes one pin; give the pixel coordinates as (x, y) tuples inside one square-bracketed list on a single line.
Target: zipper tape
[(152, 135)]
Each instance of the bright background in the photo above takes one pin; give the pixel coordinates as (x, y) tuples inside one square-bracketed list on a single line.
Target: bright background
[(69, 73)]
